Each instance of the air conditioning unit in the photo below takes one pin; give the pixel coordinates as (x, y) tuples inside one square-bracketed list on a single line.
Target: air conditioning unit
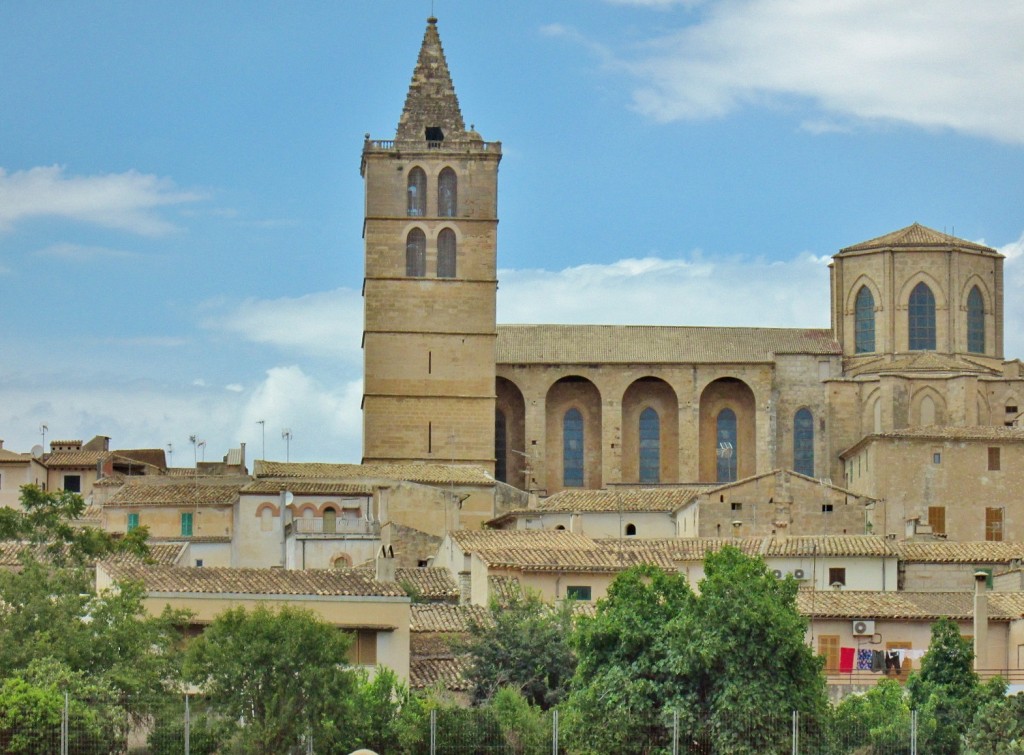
[(777, 573), (863, 627), (799, 574)]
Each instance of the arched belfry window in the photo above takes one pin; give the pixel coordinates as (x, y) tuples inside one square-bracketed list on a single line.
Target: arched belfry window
[(864, 322), (572, 449), (650, 446), (417, 193), (727, 449), (447, 193), (803, 442), (446, 253), (416, 254), (975, 322), (921, 319)]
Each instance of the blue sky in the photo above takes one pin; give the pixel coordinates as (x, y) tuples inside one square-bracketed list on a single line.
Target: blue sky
[(180, 200)]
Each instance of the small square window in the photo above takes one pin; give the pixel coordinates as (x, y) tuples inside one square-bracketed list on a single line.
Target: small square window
[(199, 562), (837, 576), (737, 507), (1011, 409), (936, 458), (826, 508), (73, 483), (578, 592)]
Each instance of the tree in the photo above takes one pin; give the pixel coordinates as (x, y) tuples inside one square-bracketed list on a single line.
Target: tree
[(998, 727), (945, 690), (878, 719), (523, 644), (274, 677), (730, 661)]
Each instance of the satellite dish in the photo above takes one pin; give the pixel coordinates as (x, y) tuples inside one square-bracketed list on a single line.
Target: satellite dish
[(37, 451), (288, 498)]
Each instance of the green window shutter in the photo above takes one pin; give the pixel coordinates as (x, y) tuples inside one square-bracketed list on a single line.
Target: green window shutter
[(186, 525), (133, 521)]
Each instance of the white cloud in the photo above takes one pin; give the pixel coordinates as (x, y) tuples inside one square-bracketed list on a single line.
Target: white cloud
[(1013, 298), (125, 201), (656, 4), (688, 291), (944, 64), (234, 387), (327, 324), (79, 253)]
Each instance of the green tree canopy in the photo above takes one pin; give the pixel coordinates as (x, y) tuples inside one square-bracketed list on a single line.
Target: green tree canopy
[(524, 644)]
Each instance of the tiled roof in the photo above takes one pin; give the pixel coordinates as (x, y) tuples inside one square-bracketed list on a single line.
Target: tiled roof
[(442, 617), (924, 361), (153, 490), (473, 540), (267, 486), (180, 472), (91, 513), (627, 499), (778, 473), (218, 580), (449, 673), (429, 583), (75, 459), (854, 604), (9, 456), (168, 554), (198, 539), (503, 588), (949, 552), (595, 560), (684, 548), (828, 545), (153, 457), (940, 434), (652, 344), (425, 473), (916, 236)]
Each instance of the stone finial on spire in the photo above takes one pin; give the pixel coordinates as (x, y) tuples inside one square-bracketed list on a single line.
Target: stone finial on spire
[(431, 111)]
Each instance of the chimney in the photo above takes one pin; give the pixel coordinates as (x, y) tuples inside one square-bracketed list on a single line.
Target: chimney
[(465, 588), (385, 564), (980, 621)]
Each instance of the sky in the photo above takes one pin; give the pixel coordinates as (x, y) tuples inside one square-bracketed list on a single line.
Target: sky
[(181, 206)]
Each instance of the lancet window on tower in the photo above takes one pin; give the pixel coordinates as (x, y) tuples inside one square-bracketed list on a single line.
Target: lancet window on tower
[(727, 447), (650, 446), (975, 322), (572, 449), (447, 193), (921, 319), (864, 322), (417, 193), (416, 254), (446, 253), (803, 442)]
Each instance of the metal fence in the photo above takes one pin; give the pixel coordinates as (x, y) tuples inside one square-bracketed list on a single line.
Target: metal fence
[(184, 725)]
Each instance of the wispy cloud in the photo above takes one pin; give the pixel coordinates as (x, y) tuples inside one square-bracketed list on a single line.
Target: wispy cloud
[(125, 201), (946, 64), (80, 253)]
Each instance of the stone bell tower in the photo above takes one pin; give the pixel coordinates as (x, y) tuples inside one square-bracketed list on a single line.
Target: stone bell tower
[(430, 283)]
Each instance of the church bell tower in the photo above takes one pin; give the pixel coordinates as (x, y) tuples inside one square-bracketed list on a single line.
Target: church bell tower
[(430, 282)]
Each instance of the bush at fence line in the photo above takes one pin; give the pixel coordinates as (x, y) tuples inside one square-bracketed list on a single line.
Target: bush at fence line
[(878, 718), (998, 727), (32, 708), (206, 732)]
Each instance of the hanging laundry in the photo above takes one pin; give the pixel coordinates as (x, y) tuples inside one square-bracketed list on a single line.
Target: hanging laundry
[(846, 656), (892, 661), (864, 659), (877, 661)]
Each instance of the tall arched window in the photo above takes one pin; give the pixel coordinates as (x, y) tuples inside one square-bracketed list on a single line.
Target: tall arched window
[(975, 322), (921, 319), (330, 521), (416, 254), (650, 446), (864, 322), (500, 447), (727, 449), (447, 193), (803, 442), (446, 253), (572, 449), (417, 193)]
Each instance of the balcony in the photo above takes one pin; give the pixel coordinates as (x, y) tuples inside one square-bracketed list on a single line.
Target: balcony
[(327, 528)]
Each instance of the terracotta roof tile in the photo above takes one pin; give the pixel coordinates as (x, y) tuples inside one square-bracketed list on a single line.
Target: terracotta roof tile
[(916, 236), (503, 588), (158, 490), (268, 486), (13, 456), (950, 552), (214, 580), (855, 604), (75, 459), (829, 545), (442, 617), (425, 473), (432, 583), (685, 548), (651, 344), (594, 560), (449, 673), (473, 540), (627, 499)]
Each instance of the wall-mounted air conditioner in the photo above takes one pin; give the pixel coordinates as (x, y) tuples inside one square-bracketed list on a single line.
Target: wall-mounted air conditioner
[(799, 574), (777, 573), (862, 627)]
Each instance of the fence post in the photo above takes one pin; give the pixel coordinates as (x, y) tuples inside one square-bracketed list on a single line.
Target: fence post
[(554, 731), (675, 732), (433, 731), (913, 732), (188, 725), (65, 725), (796, 732)]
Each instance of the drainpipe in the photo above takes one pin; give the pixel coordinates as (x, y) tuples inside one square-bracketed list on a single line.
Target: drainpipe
[(980, 621)]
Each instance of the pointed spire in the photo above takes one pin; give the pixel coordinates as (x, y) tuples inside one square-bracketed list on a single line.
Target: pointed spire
[(431, 110)]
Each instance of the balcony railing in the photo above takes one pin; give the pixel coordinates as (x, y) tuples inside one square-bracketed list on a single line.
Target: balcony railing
[(387, 145), (340, 526)]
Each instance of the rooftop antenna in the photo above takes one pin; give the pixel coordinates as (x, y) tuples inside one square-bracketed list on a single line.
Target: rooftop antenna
[(263, 429), (42, 431), (287, 435), (170, 454)]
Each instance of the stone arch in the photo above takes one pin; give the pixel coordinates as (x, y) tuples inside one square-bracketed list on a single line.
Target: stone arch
[(941, 297), (962, 339), (727, 393), (515, 457), (341, 561), (274, 510), (871, 406), (306, 511), (984, 409), (850, 314), (573, 392), (927, 407), (329, 515), (650, 393)]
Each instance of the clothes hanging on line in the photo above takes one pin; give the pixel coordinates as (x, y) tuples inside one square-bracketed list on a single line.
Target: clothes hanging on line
[(846, 660)]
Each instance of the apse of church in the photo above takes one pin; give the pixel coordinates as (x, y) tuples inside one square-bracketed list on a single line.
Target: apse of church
[(915, 340)]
